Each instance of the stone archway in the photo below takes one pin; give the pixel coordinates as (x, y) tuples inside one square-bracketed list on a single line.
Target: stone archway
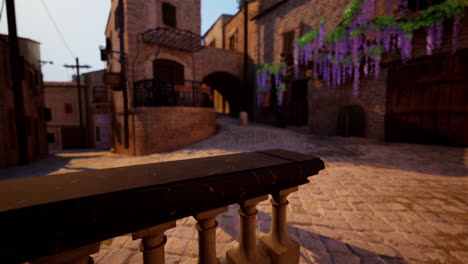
[(225, 89), (168, 71), (351, 121)]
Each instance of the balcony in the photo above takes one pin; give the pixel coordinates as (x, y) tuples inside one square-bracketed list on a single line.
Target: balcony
[(157, 93), (62, 218)]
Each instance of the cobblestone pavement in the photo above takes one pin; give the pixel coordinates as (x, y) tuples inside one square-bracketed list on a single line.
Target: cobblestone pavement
[(374, 203)]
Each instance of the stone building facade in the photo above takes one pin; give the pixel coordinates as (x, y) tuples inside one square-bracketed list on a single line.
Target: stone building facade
[(185, 64), (63, 126), (99, 110), (273, 26), (33, 104), (214, 37)]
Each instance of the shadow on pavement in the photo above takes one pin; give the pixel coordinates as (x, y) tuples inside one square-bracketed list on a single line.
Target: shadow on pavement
[(318, 248), (53, 162), (436, 160)]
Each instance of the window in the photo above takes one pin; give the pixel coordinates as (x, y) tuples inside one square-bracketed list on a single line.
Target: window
[(50, 138), (68, 108), (98, 134), (233, 41), (47, 114), (419, 5), (288, 41), (169, 15)]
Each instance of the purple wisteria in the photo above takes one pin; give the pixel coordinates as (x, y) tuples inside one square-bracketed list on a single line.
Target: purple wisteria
[(355, 47), (262, 84), (296, 60), (406, 46), (430, 40)]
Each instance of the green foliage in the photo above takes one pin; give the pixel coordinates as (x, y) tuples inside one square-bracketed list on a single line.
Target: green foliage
[(276, 67), (350, 12), (434, 15), (357, 32), (280, 89), (383, 22), (262, 67), (374, 50), (336, 35), (348, 59), (307, 37), (427, 18), (273, 68)]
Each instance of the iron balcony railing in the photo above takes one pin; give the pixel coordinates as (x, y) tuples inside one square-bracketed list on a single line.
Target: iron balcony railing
[(157, 93), (62, 218)]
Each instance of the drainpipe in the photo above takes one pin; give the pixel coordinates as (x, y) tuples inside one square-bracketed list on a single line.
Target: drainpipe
[(244, 117), (123, 73)]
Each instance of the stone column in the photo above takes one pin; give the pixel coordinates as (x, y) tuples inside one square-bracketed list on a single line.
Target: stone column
[(277, 244), (153, 241), (206, 227), (75, 256), (247, 251)]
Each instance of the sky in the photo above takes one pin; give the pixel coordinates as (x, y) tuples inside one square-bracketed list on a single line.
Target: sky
[(82, 24)]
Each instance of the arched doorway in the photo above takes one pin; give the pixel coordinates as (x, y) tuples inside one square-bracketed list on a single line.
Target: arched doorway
[(166, 74), (351, 121), (168, 71), (225, 89)]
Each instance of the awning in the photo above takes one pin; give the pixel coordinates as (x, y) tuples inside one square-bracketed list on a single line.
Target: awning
[(174, 38)]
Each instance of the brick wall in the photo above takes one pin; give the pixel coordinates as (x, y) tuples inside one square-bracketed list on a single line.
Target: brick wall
[(182, 126), (57, 95), (216, 32), (325, 102), (33, 104), (210, 60), (142, 15)]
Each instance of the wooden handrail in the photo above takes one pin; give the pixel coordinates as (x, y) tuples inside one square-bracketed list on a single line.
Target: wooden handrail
[(46, 215)]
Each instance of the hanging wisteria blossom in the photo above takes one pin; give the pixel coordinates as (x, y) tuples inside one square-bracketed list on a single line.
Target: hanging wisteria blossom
[(430, 39), (357, 44), (296, 60), (406, 46)]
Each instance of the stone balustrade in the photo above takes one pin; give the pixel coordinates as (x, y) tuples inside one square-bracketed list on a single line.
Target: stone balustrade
[(62, 218)]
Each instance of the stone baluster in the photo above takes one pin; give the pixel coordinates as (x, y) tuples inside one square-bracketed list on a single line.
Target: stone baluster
[(74, 256), (277, 244), (206, 227), (247, 251), (153, 241)]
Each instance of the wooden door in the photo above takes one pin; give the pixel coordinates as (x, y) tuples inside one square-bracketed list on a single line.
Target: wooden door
[(298, 107), (71, 138), (427, 100)]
